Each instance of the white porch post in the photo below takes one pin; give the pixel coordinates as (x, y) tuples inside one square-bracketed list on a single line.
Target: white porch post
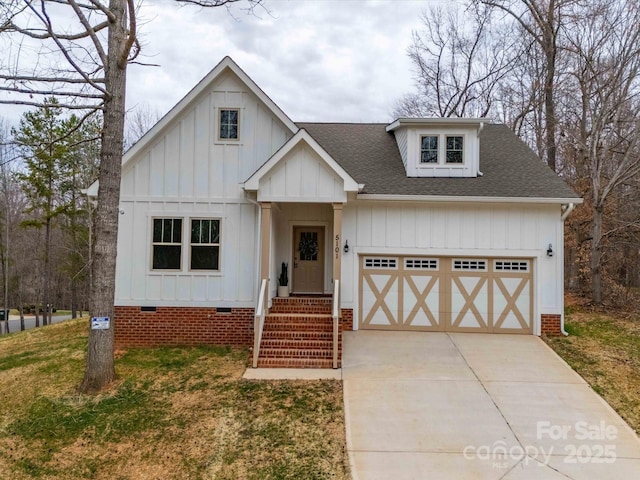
[(265, 240), (337, 240)]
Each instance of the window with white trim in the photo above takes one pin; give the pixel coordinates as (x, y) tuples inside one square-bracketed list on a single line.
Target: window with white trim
[(454, 149), (421, 263), (380, 262), (205, 244), (511, 265), (167, 244), (228, 123), (429, 149), (470, 265)]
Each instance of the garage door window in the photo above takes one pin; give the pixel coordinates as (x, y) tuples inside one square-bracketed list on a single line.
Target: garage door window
[(470, 265), (511, 266), (380, 262), (421, 263)]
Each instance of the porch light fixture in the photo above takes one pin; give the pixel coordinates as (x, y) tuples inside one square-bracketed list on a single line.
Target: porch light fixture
[(550, 251), (346, 246)]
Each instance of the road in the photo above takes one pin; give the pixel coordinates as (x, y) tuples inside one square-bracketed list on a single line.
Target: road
[(30, 322)]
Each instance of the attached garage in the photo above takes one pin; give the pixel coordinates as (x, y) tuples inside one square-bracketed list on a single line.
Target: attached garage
[(451, 294)]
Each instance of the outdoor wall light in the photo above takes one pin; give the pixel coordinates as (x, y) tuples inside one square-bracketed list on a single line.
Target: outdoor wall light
[(550, 251), (346, 246)]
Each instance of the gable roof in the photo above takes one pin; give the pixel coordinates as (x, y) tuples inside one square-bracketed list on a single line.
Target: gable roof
[(302, 136), (225, 63), (510, 168)]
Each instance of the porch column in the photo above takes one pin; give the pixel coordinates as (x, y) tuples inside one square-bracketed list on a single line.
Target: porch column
[(337, 240), (265, 239)]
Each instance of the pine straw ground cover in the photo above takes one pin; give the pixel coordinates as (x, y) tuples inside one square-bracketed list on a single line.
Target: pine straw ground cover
[(604, 348), (174, 413)]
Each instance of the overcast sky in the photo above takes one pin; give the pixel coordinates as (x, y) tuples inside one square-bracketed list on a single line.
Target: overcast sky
[(319, 60)]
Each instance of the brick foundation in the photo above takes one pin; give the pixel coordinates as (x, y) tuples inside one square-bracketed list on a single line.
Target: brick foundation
[(346, 319), (550, 325), (177, 326)]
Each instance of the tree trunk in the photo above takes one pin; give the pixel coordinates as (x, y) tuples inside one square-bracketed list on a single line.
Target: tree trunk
[(37, 313), (21, 318), (74, 298), (100, 369), (550, 49), (596, 255), (46, 319)]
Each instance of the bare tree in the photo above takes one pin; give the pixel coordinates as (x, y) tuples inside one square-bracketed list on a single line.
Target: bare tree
[(94, 42), (137, 122), (541, 20), (606, 121), (459, 66)]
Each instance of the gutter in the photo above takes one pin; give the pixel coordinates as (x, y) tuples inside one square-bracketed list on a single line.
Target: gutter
[(565, 214), (464, 199)]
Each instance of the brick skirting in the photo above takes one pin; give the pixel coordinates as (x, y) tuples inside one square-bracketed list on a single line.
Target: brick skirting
[(346, 319), (177, 326), (550, 325), (173, 326)]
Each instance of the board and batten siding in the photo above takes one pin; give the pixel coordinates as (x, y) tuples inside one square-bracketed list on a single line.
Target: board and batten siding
[(454, 230), (187, 173), (302, 176)]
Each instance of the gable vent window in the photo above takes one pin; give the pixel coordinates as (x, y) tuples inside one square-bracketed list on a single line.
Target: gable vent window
[(511, 266), (229, 121), (454, 144), (378, 262), (421, 264), (470, 265)]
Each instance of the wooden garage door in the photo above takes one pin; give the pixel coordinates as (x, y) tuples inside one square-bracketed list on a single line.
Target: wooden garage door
[(446, 294)]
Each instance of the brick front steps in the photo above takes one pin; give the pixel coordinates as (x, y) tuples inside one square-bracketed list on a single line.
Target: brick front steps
[(298, 333)]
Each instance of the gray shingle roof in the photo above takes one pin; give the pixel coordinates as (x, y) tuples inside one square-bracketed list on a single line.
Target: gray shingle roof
[(371, 156)]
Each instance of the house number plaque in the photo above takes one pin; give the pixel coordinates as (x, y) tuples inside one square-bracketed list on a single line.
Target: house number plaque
[(337, 249)]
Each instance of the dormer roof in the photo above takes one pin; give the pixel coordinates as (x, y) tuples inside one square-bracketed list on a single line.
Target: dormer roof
[(510, 169)]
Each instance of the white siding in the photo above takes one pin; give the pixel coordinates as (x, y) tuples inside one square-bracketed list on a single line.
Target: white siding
[(408, 140), (185, 173), (452, 230), (302, 176)]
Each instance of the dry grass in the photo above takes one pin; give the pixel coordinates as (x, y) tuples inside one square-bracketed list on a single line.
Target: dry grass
[(174, 414), (604, 349)]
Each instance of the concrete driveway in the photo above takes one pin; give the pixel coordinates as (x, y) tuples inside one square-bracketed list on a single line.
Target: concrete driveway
[(476, 406)]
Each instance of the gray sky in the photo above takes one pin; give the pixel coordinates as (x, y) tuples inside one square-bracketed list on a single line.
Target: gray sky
[(319, 60)]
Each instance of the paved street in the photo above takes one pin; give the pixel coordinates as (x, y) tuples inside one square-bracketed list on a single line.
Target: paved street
[(30, 322)]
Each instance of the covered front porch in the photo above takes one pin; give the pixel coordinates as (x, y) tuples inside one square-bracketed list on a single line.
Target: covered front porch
[(301, 192)]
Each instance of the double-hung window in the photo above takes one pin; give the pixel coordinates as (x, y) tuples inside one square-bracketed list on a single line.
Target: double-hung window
[(454, 150), (228, 123), (429, 149), (167, 244), (205, 244)]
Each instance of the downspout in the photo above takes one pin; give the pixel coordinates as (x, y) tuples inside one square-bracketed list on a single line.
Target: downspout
[(480, 174), (564, 216)]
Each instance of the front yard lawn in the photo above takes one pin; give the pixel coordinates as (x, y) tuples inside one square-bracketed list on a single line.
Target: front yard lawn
[(175, 413), (604, 348)]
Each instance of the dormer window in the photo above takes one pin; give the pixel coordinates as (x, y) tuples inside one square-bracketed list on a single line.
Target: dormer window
[(439, 147), (429, 149), (454, 149)]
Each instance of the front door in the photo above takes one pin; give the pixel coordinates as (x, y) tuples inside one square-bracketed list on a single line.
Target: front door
[(308, 259)]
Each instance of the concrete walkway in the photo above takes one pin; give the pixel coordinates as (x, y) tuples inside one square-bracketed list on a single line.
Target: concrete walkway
[(476, 406)]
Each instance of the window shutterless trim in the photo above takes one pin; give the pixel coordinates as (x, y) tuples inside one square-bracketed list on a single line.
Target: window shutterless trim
[(219, 124), (166, 244), (218, 244)]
